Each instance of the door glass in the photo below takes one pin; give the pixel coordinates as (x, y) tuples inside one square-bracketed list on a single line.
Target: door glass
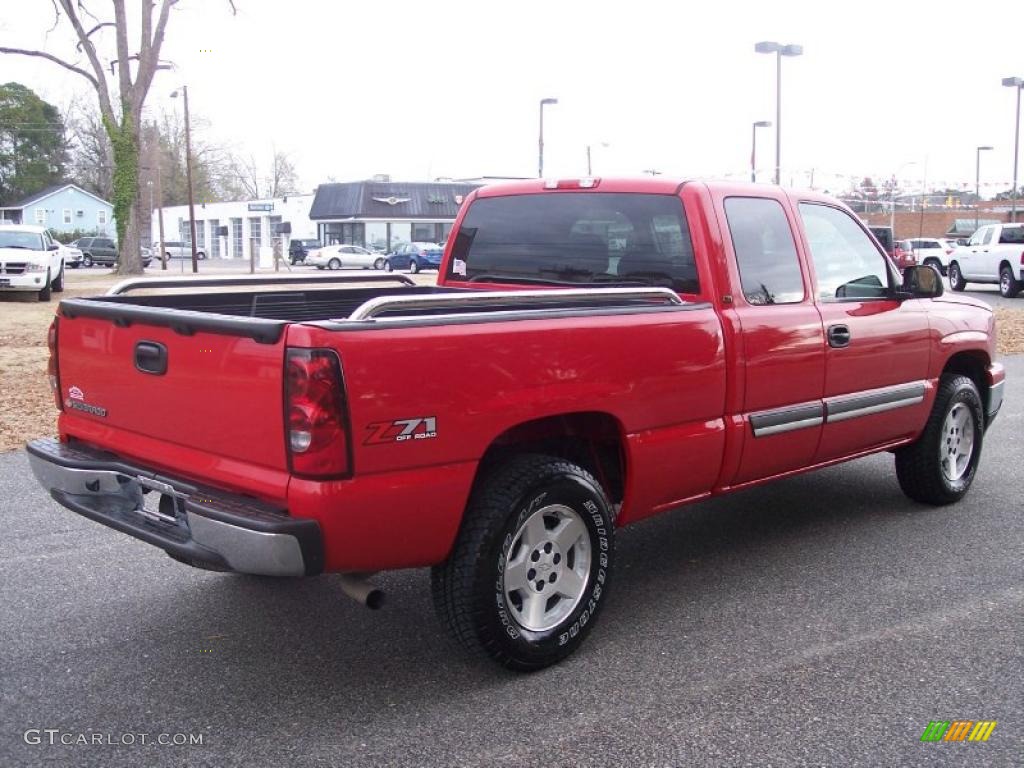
[(765, 252), (847, 264)]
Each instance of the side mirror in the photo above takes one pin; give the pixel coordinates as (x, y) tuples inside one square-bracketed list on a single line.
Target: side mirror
[(53, 247), (920, 282)]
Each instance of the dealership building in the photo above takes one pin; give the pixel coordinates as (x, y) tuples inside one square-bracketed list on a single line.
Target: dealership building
[(384, 214), (236, 230), (377, 213)]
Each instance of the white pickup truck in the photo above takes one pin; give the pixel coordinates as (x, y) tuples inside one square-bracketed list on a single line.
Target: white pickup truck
[(995, 254), (30, 260)]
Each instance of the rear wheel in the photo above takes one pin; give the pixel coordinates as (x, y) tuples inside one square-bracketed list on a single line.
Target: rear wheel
[(334, 264), (525, 580), (1009, 286), (940, 466), (44, 293), (86, 260), (956, 279), (934, 264), (388, 267), (378, 264)]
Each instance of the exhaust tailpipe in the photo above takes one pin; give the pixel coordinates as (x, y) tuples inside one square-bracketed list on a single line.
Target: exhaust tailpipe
[(362, 591)]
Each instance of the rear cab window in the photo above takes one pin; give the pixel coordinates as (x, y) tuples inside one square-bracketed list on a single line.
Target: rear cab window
[(765, 251), (577, 239)]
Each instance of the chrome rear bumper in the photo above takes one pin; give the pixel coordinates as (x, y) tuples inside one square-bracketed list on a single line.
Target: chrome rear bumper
[(190, 522)]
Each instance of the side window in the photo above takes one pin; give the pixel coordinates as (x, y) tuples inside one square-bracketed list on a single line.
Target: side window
[(978, 237), (1012, 235), (765, 251), (988, 236), (847, 264)]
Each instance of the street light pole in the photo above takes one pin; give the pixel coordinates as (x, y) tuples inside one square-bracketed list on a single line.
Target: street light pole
[(977, 183), (1018, 83), (590, 171), (188, 178), (779, 50), (753, 146), (540, 137), (892, 196)]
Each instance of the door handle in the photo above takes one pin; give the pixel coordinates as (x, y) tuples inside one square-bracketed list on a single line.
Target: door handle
[(151, 357), (838, 336)]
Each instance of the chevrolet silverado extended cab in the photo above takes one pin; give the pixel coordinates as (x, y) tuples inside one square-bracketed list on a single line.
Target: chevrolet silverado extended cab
[(596, 351)]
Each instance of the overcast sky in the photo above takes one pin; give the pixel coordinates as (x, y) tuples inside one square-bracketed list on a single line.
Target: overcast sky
[(449, 88)]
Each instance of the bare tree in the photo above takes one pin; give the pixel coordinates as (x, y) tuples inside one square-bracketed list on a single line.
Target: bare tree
[(246, 179), (92, 156), (121, 101)]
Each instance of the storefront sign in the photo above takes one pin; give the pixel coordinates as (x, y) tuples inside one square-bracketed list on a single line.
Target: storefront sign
[(261, 206)]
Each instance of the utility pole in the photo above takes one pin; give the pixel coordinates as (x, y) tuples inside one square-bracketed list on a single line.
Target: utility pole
[(160, 200)]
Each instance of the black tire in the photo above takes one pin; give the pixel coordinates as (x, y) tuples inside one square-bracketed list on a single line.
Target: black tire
[(956, 279), (379, 264), (334, 264), (414, 266), (58, 284), (935, 264), (1009, 286), (86, 260), (44, 293), (387, 266), (200, 256), (919, 466), (469, 589), (74, 265)]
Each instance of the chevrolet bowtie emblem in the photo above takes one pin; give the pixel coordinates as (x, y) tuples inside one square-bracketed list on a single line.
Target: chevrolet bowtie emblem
[(392, 200)]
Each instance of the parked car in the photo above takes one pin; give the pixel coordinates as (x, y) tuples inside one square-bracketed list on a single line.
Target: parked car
[(30, 260), (994, 254), (344, 256), (299, 249), (885, 238), (415, 257), (72, 255), (178, 249), (903, 255), (930, 251), (502, 425), (97, 250)]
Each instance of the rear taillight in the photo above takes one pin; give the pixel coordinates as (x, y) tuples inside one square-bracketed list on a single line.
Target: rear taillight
[(316, 415), (52, 369), (1022, 258)]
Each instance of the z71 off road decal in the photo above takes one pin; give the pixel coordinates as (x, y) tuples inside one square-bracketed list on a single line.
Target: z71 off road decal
[(401, 430)]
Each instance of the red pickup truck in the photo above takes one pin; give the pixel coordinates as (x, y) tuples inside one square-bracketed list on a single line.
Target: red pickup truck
[(596, 351)]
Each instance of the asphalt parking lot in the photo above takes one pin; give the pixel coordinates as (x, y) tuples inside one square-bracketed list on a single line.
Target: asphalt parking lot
[(824, 620)]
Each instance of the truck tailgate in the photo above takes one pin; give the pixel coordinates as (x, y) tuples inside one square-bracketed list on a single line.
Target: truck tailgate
[(216, 407)]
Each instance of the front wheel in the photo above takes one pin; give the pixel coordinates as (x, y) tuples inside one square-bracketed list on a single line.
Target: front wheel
[(414, 266), (1009, 286), (956, 278), (388, 267), (334, 264), (86, 260), (44, 292), (939, 467), (531, 565), (58, 284)]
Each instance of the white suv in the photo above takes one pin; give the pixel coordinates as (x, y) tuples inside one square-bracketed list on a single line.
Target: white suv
[(931, 251), (30, 260)]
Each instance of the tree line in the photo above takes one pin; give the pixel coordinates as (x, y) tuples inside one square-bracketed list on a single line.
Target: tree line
[(42, 145)]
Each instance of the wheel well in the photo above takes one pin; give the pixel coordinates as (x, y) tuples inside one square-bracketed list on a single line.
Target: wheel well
[(1005, 263), (972, 365), (593, 440)]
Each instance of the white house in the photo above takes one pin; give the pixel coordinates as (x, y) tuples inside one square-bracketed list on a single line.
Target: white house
[(232, 230)]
